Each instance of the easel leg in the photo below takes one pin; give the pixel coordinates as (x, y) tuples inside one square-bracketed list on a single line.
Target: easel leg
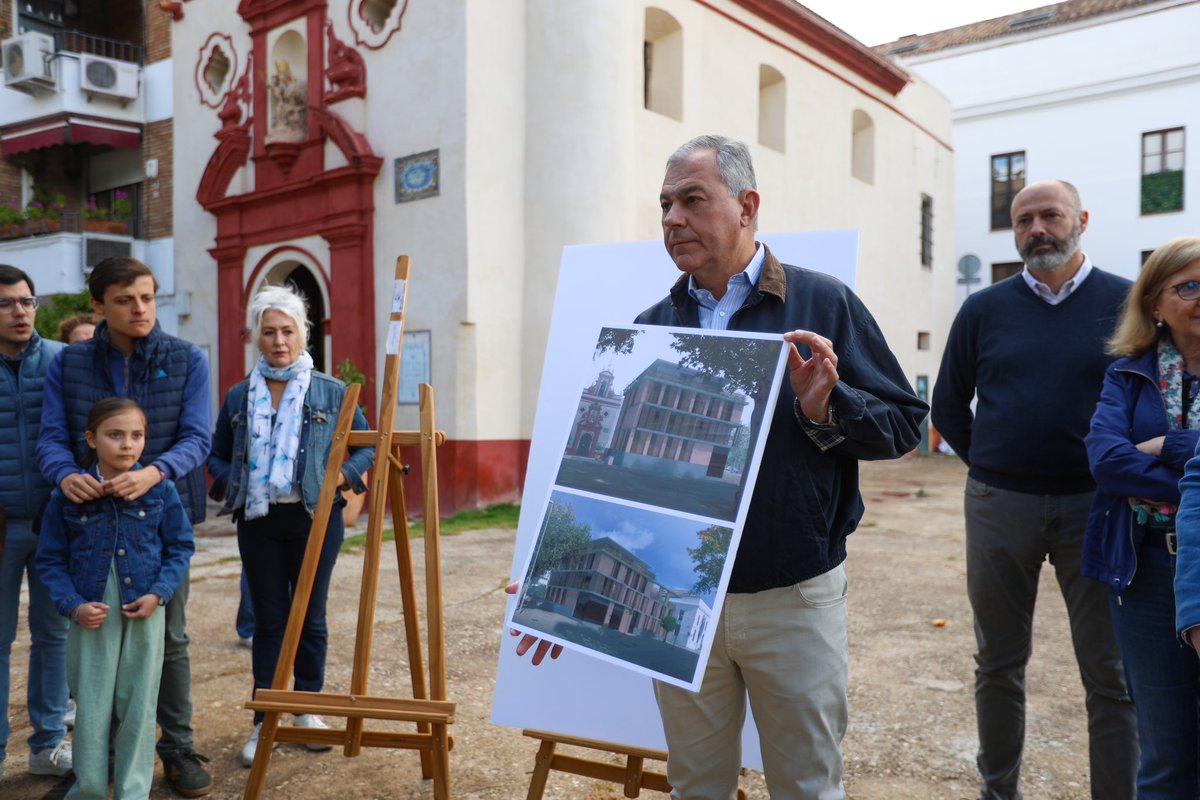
[(262, 756), (541, 770), (408, 597)]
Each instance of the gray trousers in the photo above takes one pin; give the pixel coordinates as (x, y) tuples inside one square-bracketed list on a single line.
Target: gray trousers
[(175, 689), (1009, 535)]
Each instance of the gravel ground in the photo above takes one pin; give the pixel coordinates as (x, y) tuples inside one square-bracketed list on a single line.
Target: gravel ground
[(912, 727)]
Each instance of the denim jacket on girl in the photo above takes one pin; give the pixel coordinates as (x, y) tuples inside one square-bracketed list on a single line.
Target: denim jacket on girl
[(149, 538), (227, 460)]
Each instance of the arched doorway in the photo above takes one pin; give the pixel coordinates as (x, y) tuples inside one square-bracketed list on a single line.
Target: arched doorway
[(306, 284)]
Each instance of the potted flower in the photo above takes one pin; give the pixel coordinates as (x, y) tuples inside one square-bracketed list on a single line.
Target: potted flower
[(97, 219), (42, 215), (11, 218), (349, 373)]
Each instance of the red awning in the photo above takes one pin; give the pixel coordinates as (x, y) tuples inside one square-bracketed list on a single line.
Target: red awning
[(69, 130)]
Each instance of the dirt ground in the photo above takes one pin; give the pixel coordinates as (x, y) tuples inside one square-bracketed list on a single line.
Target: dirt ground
[(912, 727)]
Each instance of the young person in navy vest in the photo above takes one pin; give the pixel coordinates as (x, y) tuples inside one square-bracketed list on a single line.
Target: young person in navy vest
[(24, 357), (1032, 350), (131, 356)]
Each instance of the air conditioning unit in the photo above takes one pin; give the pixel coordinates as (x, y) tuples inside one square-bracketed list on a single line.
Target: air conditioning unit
[(28, 62), (97, 248), (108, 77)]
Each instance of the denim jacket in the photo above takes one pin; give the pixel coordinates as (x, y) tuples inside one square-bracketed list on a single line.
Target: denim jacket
[(322, 403), (149, 538)]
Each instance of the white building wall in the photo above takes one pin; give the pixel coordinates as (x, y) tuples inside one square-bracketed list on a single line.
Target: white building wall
[(1076, 99), (536, 109)]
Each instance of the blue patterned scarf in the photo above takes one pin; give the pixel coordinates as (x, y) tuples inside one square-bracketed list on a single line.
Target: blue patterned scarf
[(273, 449)]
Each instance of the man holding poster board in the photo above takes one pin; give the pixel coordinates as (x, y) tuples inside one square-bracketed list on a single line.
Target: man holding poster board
[(781, 637)]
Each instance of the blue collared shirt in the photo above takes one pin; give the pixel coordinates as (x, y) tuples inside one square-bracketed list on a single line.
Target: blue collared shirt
[(714, 313)]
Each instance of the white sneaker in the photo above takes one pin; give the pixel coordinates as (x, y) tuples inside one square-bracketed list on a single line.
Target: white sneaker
[(251, 747), (246, 642), (313, 721), (51, 761), (69, 714)]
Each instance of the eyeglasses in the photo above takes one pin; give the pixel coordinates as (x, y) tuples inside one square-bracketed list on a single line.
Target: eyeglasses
[(8, 304), (1188, 290)]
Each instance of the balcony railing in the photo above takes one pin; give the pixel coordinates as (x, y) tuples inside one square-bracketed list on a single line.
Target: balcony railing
[(69, 222), (72, 41)]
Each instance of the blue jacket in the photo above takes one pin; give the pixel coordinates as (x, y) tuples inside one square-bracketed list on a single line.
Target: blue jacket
[(1130, 410), (227, 460), (23, 491), (166, 375), (149, 538), (1187, 563), (806, 502)]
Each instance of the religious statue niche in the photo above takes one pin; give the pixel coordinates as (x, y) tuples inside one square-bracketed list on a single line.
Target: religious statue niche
[(289, 105)]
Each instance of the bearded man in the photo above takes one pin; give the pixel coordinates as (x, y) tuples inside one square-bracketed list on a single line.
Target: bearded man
[(1032, 350)]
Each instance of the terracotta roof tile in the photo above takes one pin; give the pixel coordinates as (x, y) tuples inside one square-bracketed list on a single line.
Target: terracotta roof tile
[(1040, 17)]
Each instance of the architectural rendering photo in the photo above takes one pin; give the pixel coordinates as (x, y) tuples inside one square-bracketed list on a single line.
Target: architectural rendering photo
[(671, 419), (629, 585)]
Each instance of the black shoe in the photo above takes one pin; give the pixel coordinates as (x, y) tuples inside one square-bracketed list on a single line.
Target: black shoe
[(184, 773)]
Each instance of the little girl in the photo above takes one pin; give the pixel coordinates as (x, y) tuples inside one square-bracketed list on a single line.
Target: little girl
[(98, 557)]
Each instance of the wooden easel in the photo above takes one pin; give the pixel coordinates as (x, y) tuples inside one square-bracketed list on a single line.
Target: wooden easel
[(428, 708), (633, 776)]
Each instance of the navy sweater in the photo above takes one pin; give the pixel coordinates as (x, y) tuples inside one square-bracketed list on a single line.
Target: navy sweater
[(1037, 370)]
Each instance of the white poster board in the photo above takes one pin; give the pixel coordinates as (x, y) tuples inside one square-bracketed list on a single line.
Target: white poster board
[(636, 538), (597, 284)]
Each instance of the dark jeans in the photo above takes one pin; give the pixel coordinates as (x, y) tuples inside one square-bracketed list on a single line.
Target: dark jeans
[(245, 613), (272, 552), (175, 688), (1009, 535), (1162, 672)]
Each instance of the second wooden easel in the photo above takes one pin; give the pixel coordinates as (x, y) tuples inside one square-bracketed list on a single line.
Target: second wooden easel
[(428, 708)]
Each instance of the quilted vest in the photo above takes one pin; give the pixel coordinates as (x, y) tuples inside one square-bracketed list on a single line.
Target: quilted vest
[(157, 374), (23, 490)]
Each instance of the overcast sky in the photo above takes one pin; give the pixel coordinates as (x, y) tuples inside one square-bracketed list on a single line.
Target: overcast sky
[(874, 22)]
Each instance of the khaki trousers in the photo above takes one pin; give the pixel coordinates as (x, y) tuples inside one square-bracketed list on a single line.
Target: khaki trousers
[(785, 649)]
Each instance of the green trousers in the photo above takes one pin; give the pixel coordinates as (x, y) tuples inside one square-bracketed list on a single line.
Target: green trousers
[(113, 672)]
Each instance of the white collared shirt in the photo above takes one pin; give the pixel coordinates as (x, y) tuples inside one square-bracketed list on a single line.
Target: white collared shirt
[(1043, 290)]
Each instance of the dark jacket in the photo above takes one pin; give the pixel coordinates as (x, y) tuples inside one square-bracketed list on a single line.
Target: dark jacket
[(23, 490), (322, 404), (167, 376), (149, 538), (806, 502), (1130, 410)]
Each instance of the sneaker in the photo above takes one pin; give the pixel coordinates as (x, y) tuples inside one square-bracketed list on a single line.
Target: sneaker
[(246, 642), (184, 772), (51, 761), (251, 746), (69, 714), (313, 721)]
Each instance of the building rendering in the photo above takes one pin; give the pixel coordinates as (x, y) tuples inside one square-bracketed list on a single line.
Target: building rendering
[(694, 617), (314, 141), (1102, 93), (595, 419), (676, 421), (610, 586)]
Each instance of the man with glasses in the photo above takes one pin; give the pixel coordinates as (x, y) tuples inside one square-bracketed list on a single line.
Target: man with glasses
[(130, 355), (1031, 349), (23, 495)]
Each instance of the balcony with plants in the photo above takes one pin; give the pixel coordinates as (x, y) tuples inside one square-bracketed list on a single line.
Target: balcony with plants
[(109, 213)]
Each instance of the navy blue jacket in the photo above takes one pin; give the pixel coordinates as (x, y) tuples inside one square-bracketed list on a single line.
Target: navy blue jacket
[(1130, 410), (149, 538), (806, 502), (322, 404), (23, 490), (167, 376)]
